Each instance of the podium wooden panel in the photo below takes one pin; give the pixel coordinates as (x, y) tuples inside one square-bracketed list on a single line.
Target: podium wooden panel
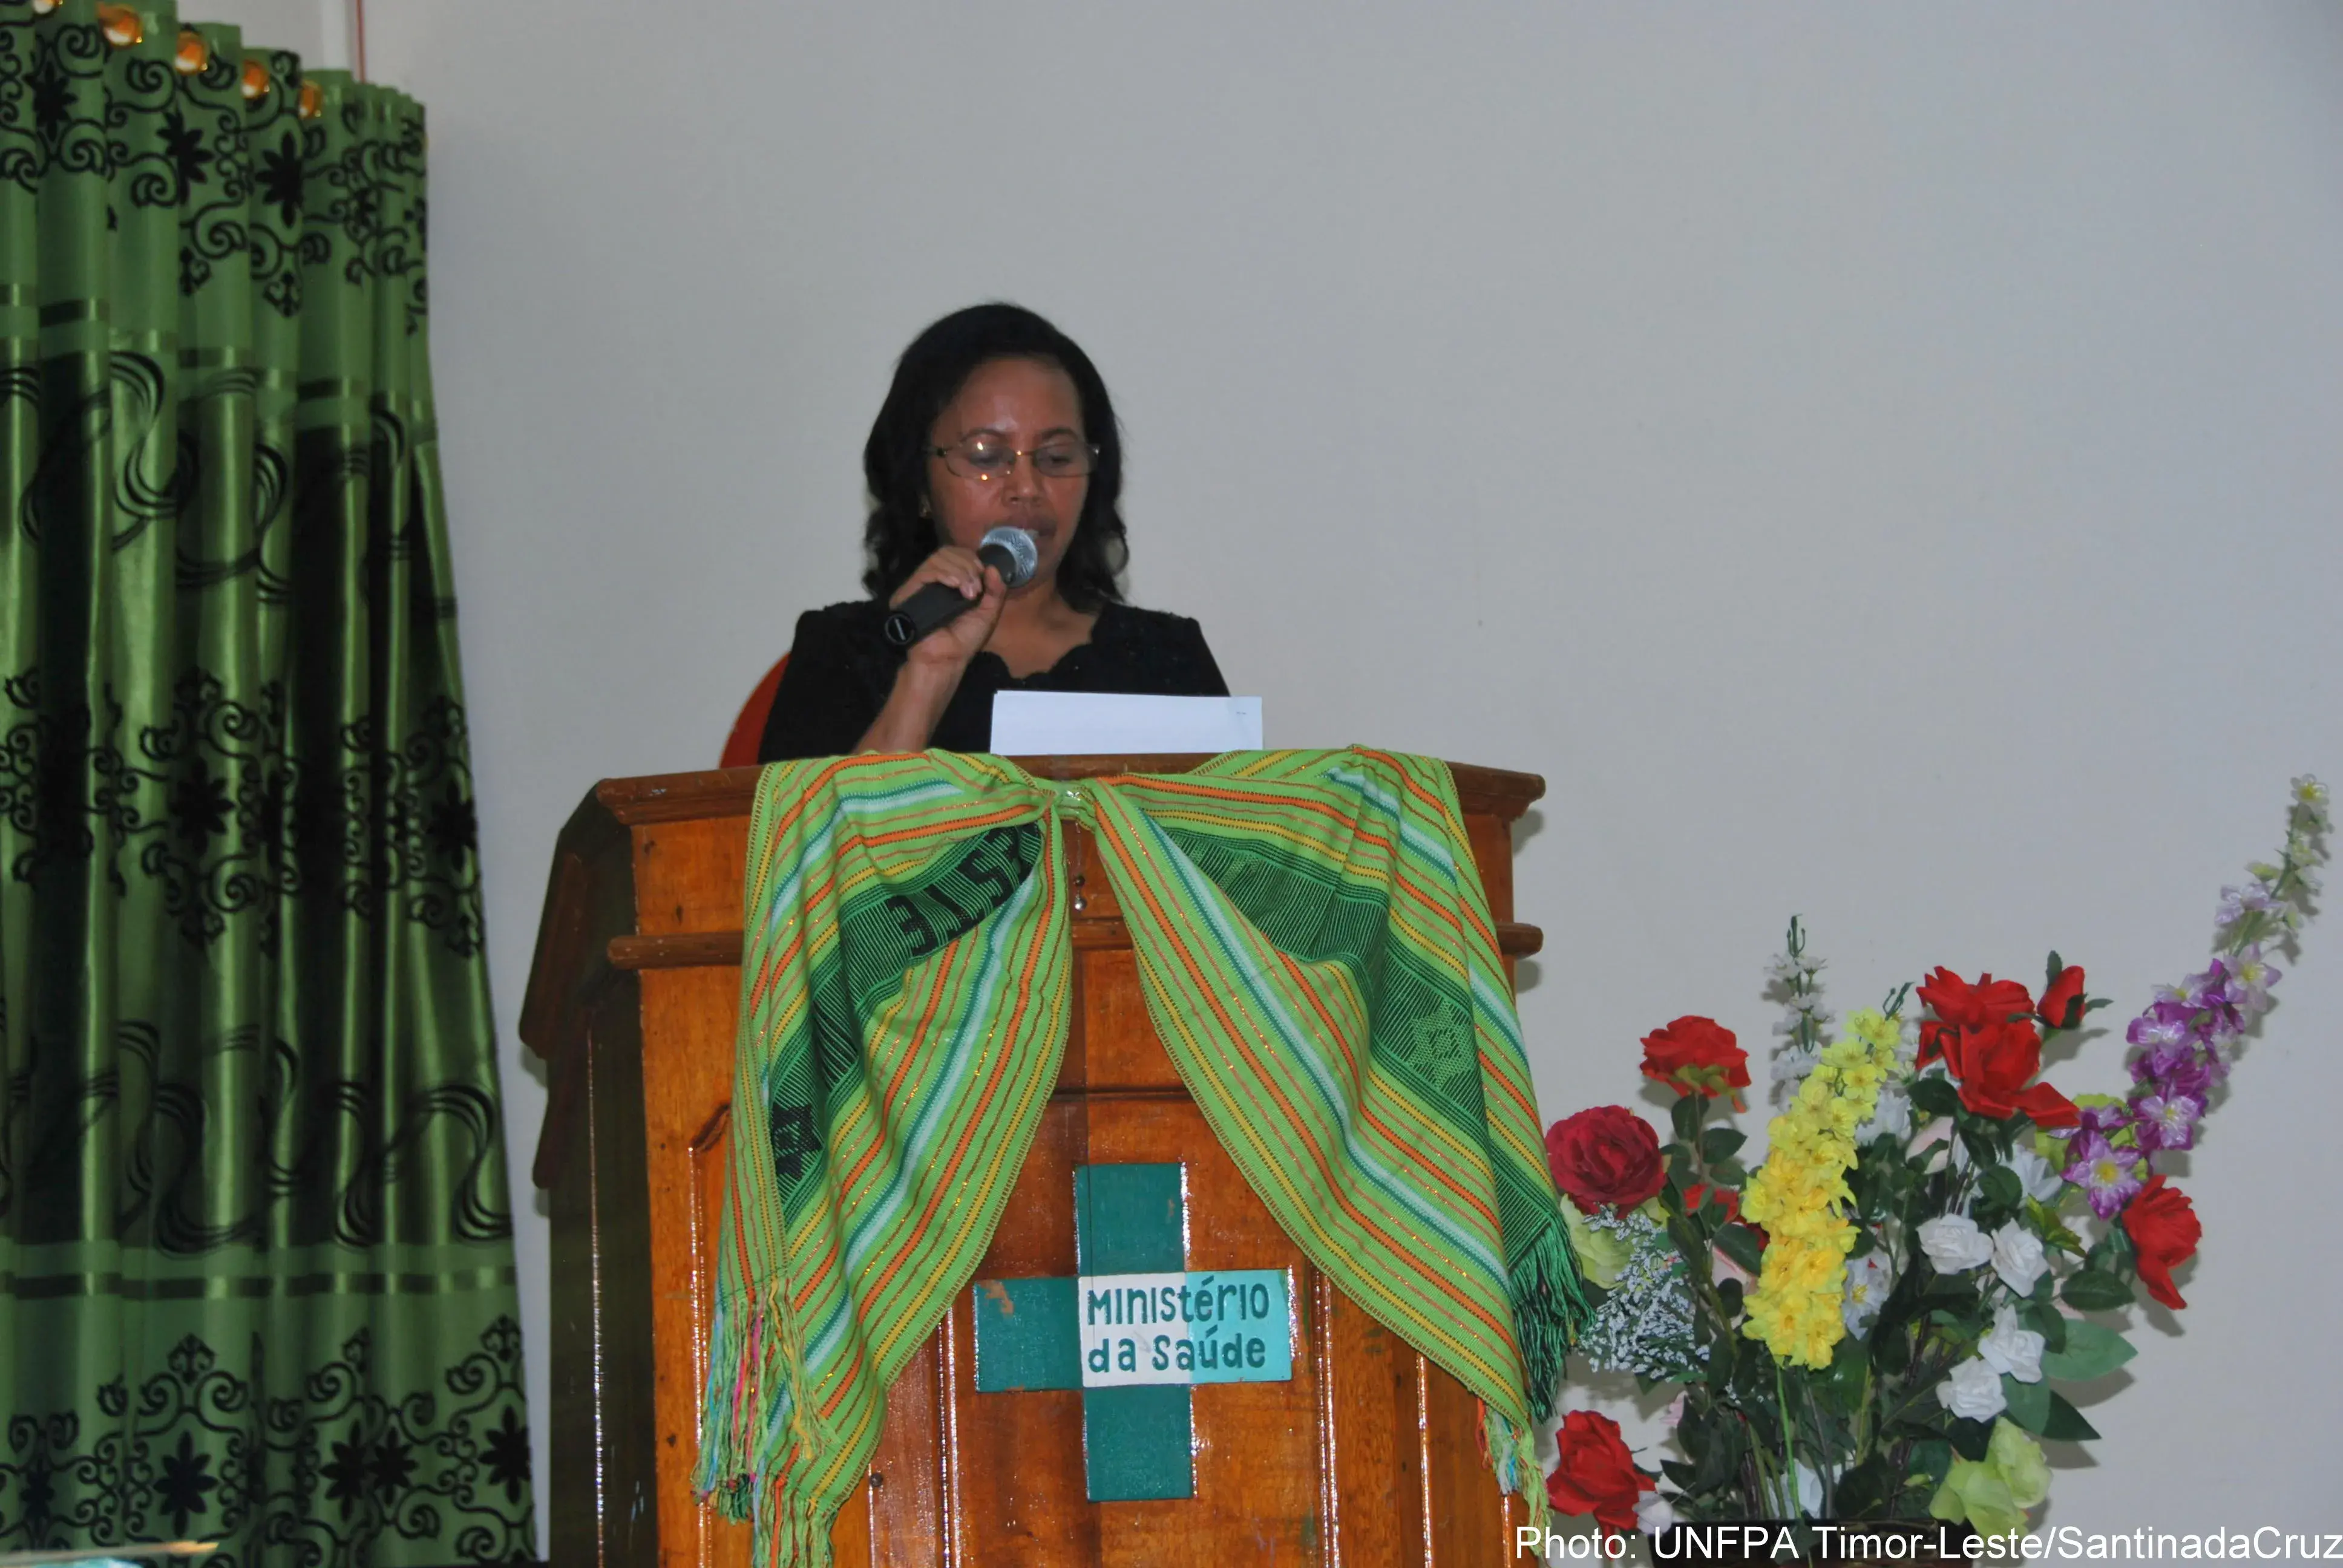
[(1371, 1457)]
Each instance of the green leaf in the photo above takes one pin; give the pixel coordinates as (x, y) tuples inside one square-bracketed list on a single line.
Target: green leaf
[(2095, 1290), (1753, 1370), (1720, 1371), (2120, 1248), (2090, 1351), (2030, 1402), (2049, 1322), (2065, 1423), (1970, 1439), (2052, 1230), (1736, 1243), (1729, 1293), (1686, 1115), (2004, 1189), (1890, 1348), (1931, 1461), (1713, 1442), (1729, 1173), (1844, 1380), (1721, 1143), (1936, 1096), (2111, 1252), (1951, 1291), (1861, 1490)]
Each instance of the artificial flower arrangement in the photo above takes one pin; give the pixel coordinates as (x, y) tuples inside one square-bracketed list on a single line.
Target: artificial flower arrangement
[(1874, 1324)]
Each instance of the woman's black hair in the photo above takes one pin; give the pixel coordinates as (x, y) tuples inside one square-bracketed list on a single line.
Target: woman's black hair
[(895, 459)]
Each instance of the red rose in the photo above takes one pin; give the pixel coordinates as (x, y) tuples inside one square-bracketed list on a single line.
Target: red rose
[(1695, 1056), (2062, 1003), (1994, 1065), (1959, 1005), (2164, 1231), (1598, 1475), (1605, 1154)]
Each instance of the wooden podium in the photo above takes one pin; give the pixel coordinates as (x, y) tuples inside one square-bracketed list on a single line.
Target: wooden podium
[(1369, 1457)]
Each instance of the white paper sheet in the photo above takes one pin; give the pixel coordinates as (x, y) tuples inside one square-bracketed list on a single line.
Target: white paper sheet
[(1086, 723)]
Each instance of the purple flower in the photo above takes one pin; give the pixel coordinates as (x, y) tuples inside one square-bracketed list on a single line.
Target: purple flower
[(2163, 1024), (2250, 983), (2237, 903), (2212, 995), (2109, 1177), (2210, 990), (2100, 1121), (2170, 1121), (2179, 1070)]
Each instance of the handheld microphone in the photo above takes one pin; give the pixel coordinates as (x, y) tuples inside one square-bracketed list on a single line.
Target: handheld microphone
[(1008, 550)]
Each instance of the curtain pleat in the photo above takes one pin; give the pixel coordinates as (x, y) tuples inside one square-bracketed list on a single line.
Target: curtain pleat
[(256, 1278)]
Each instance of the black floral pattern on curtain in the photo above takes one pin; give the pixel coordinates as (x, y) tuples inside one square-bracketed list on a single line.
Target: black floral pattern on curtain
[(256, 1280)]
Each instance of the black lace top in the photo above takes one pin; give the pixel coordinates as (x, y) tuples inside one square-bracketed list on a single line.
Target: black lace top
[(841, 668)]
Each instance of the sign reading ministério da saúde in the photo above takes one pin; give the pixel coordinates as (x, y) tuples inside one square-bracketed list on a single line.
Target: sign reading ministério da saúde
[(1234, 1326)]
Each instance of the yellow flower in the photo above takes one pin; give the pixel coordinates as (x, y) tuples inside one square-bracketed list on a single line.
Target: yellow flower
[(1800, 1194)]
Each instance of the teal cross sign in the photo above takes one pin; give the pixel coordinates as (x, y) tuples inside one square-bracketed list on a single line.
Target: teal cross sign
[(1134, 1330)]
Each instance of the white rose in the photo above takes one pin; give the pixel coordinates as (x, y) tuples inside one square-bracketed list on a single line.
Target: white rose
[(1972, 1391), (2010, 1349), (1953, 1243), (2019, 1258), (1653, 1514)]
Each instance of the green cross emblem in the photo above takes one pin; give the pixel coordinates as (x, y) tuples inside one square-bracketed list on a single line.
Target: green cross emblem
[(1134, 1332)]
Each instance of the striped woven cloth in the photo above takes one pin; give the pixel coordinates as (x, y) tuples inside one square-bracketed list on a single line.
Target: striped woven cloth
[(1318, 958)]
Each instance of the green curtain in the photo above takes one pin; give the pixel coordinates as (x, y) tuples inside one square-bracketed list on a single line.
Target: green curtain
[(255, 1263)]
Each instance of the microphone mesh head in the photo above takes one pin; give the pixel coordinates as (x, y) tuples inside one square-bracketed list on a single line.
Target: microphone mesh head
[(1022, 557)]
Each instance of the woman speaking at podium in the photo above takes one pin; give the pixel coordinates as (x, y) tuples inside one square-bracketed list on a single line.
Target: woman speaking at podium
[(996, 420)]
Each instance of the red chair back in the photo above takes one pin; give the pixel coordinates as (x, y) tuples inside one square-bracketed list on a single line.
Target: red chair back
[(748, 729)]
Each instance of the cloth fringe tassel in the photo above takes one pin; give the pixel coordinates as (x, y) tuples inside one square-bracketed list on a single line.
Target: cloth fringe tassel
[(754, 1363), (1512, 1454), (1550, 1309)]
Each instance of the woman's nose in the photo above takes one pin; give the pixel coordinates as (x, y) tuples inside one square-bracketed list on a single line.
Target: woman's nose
[(1025, 477)]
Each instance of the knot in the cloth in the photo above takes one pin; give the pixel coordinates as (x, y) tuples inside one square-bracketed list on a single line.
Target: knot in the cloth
[(1071, 801)]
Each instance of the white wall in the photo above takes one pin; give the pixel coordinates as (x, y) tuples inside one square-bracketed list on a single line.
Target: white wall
[(1875, 463), (317, 30)]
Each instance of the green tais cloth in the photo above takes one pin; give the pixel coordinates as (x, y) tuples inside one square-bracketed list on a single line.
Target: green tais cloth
[(1317, 958)]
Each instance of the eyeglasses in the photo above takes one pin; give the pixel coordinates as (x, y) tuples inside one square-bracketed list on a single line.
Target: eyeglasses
[(985, 458)]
